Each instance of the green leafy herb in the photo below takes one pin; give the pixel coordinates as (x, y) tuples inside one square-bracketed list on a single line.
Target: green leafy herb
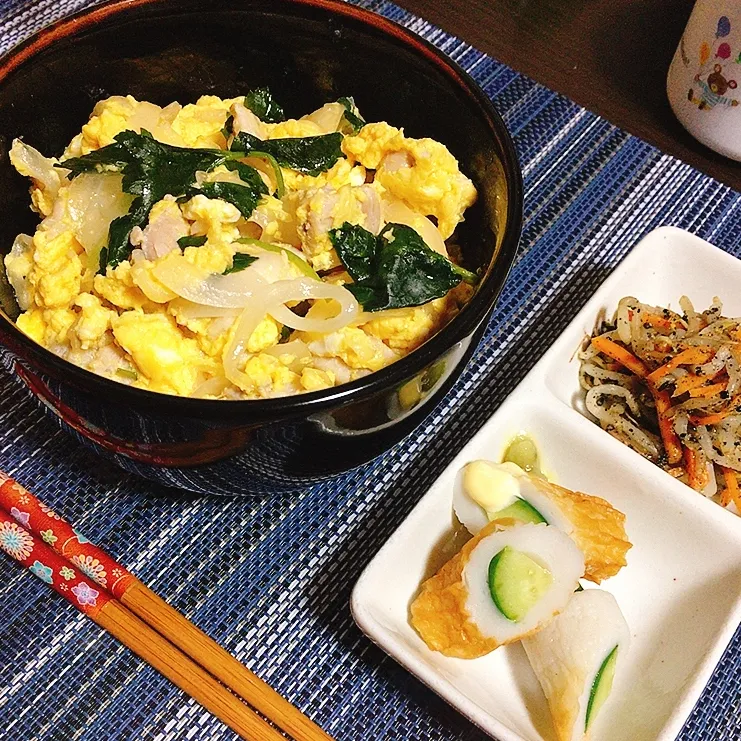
[(128, 373), (151, 170), (262, 103), (228, 128), (357, 248), (308, 154), (396, 269), (351, 121), (280, 186), (285, 334), (249, 175), (184, 242), (241, 196), (240, 261)]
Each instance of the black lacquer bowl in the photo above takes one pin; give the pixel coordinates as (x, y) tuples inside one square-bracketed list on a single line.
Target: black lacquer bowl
[(308, 52)]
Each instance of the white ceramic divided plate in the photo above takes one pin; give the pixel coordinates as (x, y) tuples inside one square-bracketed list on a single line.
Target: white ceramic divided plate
[(681, 589)]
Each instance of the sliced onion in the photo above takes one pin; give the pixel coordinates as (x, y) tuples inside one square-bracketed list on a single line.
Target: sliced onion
[(189, 310), (213, 387), (220, 325), (271, 302), (399, 213), (31, 163), (157, 121), (93, 202), (246, 325), (302, 289), (245, 120), (202, 287), (327, 118), (17, 267), (294, 347)]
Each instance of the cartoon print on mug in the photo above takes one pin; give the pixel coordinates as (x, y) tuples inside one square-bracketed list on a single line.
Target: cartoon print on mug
[(714, 76)]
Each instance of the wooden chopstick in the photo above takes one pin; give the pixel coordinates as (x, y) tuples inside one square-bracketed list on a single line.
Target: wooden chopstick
[(155, 612), (134, 633)]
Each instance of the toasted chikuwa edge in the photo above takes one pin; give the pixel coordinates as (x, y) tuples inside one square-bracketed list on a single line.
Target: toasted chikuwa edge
[(599, 528), (439, 612)]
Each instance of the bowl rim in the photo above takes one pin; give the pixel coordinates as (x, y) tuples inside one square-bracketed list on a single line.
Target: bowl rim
[(463, 325)]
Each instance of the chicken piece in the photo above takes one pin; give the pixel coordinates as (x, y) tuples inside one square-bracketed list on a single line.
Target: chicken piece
[(160, 236), (322, 209)]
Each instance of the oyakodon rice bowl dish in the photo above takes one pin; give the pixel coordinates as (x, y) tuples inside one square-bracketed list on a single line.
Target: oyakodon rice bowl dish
[(218, 250)]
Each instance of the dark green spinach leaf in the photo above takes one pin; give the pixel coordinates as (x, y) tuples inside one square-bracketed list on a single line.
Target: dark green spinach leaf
[(262, 103), (240, 261), (184, 242), (243, 197), (228, 128), (248, 175), (357, 248), (396, 269), (308, 154), (151, 170), (351, 121)]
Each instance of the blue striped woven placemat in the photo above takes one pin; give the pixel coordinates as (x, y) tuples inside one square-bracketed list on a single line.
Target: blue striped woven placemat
[(271, 579)]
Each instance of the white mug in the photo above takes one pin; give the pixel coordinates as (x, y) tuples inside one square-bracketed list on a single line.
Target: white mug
[(704, 81)]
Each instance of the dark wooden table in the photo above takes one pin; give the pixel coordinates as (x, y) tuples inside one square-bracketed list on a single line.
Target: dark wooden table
[(610, 56)]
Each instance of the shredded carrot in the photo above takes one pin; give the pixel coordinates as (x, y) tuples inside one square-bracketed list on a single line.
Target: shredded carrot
[(619, 353), (690, 356), (659, 322), (732, 491), (711, 390), (672, 446), (687, 383), (713, 419), (697, 472)]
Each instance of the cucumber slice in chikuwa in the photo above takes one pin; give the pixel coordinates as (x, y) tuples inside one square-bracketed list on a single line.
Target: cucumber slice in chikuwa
[(516, 582), (520, 510), (601, 686)]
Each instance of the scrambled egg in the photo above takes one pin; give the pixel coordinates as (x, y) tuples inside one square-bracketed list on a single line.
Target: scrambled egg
[(172, 316), (420, 172)]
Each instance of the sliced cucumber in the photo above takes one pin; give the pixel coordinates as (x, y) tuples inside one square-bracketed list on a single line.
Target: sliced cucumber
[(601, 686), (520, 510), (516, 583)]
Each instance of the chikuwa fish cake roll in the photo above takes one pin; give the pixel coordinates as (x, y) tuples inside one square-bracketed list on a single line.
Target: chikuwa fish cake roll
[(575, 658), (487, 491), (507, 582)]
